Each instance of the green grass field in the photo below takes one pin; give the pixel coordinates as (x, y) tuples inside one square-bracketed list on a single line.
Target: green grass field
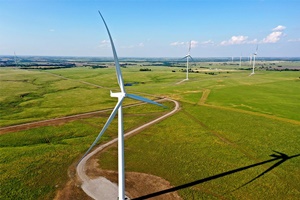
[(204, 148)]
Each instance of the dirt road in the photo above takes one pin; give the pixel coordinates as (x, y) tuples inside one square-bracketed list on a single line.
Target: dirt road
[(101, 188), (55, 121)]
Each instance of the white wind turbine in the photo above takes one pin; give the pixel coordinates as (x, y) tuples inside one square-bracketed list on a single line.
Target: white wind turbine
[(118, 108), (240, 60), (254, 56), (188, 56), (15, 59)]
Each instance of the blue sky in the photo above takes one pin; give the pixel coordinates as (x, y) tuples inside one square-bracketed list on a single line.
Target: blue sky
[(150, 28)]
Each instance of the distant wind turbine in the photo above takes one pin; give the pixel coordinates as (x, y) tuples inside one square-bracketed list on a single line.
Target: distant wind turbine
[(118, 108), (15, 58), (254, 56), (188, 56), (240, 60)]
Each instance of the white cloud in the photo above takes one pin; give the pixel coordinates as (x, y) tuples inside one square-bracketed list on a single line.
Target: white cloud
[(252, 41), (273, 37), (194, 43), (279, 28), (104, 43), (208, 42), (141, 44), (177, 43), (240, 39)]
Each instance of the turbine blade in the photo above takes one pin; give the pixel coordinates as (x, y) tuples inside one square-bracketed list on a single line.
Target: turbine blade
[(111, 117), (185, 57), (190, 46), (139, 98), (191, 58), (118, 68)]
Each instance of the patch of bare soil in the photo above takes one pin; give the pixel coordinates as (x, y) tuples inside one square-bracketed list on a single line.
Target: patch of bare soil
[(72, 190), (141, 184), (137, 184)]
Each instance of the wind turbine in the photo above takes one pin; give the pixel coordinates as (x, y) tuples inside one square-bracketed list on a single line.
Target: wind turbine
[(118, 109), (241, 60), (187, 61), (15, 59), (254, 55)]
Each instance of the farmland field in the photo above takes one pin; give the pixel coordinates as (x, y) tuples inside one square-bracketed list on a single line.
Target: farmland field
[(217, 147)]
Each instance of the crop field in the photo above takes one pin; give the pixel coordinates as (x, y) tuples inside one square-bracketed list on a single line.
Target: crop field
[(235, 137)]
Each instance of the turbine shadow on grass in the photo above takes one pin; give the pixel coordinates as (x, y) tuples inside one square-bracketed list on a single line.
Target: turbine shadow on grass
[(278, 156)]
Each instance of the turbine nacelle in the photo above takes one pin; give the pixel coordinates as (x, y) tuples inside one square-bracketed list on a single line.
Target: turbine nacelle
[(256, 51), (188, 56), (117, 94)]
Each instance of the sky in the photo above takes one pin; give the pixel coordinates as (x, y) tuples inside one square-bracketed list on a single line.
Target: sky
[(150, 28)]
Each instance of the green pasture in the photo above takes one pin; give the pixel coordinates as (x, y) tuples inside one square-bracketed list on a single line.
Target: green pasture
[(32, 95), (35, 163), (265, 93), (243, 121), (200, 143)]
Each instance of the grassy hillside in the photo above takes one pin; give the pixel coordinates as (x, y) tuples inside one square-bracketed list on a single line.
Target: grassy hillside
[(35, 162), (228, 123), (199, 145)]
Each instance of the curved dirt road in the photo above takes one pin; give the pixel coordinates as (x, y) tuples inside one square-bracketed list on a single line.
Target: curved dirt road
[(101, 188)]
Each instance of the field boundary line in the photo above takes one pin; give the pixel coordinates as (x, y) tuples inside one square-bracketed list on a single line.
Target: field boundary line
[(255, 113), (204, 96), (206, 93)]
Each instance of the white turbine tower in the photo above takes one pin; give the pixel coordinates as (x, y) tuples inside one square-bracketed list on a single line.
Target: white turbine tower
[(118, 108), (254, 56), (188, 56), (15, 59), (241, 60)]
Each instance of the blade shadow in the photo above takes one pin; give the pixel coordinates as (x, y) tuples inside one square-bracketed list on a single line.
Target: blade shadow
[(279, 156)]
